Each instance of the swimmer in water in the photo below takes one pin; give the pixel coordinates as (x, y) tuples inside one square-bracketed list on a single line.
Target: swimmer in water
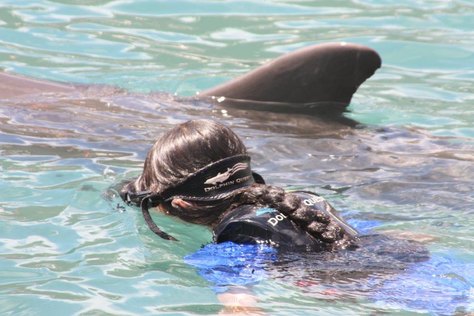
[(200, 172)]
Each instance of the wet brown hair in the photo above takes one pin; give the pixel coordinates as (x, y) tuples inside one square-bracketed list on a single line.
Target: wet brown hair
[(181, 151)]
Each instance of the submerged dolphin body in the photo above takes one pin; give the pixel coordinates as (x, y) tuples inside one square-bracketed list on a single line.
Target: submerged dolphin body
[(302, 97), (14, 86), (319, 79)]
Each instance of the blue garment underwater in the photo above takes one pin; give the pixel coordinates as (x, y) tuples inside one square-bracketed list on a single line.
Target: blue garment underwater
[(441, 283)]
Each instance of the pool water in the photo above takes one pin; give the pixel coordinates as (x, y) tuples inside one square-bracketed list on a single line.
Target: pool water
[(68, 246)]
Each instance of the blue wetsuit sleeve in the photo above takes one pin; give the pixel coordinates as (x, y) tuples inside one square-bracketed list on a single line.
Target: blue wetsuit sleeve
[(229, 264)]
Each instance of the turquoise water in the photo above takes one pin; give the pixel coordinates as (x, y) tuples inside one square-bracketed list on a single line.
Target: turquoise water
[(65, 249)]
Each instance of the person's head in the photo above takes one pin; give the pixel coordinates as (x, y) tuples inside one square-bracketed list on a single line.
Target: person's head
[(176, 161)]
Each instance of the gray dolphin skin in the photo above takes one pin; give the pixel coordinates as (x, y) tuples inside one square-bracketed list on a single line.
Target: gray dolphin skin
[(13, 85), (319, 79)]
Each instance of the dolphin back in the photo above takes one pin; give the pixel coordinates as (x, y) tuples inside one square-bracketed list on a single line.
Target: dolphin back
[(323, 77)]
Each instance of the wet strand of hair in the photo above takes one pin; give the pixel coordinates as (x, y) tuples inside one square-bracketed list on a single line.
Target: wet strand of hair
[(316, 223)]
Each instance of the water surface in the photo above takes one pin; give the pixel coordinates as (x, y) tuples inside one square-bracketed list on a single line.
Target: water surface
[(67, 249)]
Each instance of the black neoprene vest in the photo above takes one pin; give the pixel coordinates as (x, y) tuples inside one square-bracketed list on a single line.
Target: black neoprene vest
[(250, 224)]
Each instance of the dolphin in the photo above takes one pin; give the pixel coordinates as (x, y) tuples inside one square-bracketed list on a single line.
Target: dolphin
[(319, 80), (302, 96)]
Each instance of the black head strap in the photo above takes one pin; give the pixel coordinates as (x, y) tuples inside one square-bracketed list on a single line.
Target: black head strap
[(216, 181), (145, 205)]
